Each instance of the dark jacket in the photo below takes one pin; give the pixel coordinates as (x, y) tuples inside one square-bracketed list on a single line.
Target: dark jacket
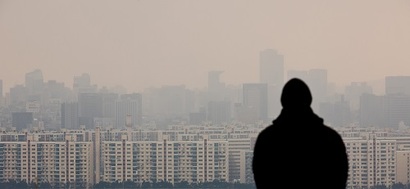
[(298, 151)]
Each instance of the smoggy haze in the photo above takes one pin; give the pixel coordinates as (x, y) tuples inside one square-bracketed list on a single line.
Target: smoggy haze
[(141, 43)]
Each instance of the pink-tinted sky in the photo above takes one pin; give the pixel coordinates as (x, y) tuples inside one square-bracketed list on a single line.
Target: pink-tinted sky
[(141, 43)]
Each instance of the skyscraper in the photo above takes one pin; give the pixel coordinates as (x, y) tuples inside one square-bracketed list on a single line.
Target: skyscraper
[(1, 88), (255, 98), (90, 106), (216, 88), (129, 104), (34, 82), (21, 120), (271, 67), (317, 81), (69, 115), (397, 85)]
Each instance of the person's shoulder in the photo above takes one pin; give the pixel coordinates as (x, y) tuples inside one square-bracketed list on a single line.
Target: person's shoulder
[(267, 131)]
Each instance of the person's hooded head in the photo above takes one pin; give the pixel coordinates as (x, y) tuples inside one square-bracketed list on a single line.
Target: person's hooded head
[(296, 95)]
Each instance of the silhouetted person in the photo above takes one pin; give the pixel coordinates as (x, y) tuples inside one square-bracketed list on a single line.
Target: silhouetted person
[(298, 151)]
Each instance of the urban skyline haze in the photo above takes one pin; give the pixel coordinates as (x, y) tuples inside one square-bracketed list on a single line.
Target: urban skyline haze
[(138, 44)]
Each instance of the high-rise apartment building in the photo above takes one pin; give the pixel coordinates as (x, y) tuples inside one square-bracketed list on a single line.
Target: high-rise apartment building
[(54, 158)]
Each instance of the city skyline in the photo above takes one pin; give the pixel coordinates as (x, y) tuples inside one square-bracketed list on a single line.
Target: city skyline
[(140, 44)]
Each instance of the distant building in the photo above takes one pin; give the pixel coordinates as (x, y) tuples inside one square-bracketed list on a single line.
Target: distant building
[(317, 81), (371, 113), (397, 85), (1, 88), (34, 82), (90, 106), (18, 94), (129, 104), (219, 112), (255, 98), (216, 89), (396, 110), (21, 120), (69, 115), (196, 118), (354, 91), (336, 114), (271, 68)]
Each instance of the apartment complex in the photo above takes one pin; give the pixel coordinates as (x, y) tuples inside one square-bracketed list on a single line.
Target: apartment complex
[(181, 153), (53, 158), (86, 157)]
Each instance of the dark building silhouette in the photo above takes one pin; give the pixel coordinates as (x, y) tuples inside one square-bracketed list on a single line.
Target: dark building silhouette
[(255, 99), (129, 104), (90, 106), (34, 82), (21, 120), (69, 115), (397, 85), (18, 94), (371, 111), (219, 112), (272, 72), (196, 118), (336, 114), (1, 88), (396, 110)]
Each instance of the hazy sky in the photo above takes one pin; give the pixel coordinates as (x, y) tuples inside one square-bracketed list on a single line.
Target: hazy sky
[(141, 43)]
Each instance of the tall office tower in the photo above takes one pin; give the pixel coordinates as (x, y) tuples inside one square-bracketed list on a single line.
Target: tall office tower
[(82, 84), (109, 104), (2, 99), (129, 104), (216, 89), (397, 85), (18, 94), (21, 120), (34, 82), (317, 81), (271, 67), (69, 115), (90, 106), (396, 110), (371, 111), (271, 72), (1, 88), (255, 99), (219, 112), (354, 91), (336, 114)]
